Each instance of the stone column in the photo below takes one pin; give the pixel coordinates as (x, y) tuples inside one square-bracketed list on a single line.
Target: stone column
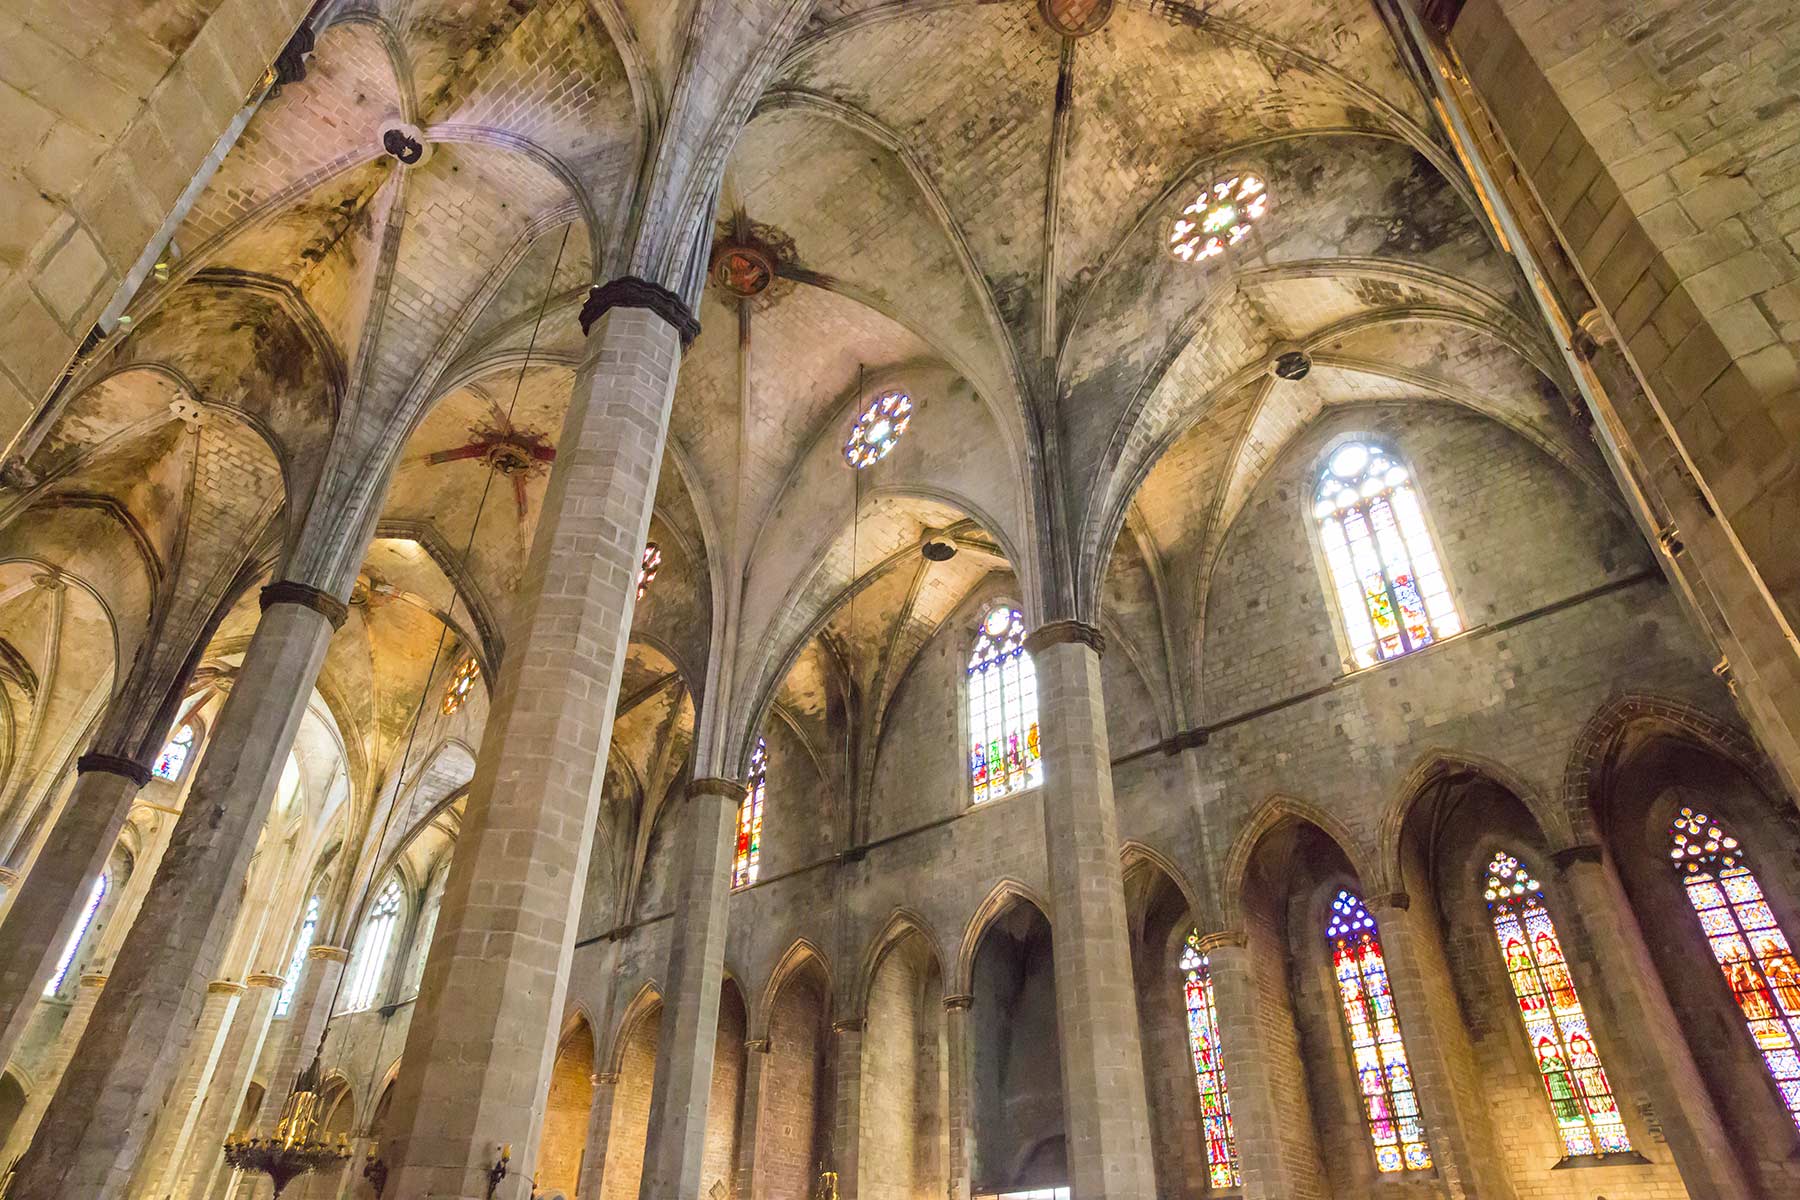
[(1277, 1141), (846, 1109), (756, 1057), (200, 1165), (961, 1117), (675, 1151), (86, 996), (1462, 1143), (482, 1041), (99, 1120), (304, 1027), (1104, 1103), (1655, 1058), (593, 1156), (169, 1140), (51, 899)]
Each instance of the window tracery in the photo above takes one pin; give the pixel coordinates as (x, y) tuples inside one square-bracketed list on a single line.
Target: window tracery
[(747, 858), (67, 958), (1004, 752), (309, 928), (1377, 1052), (648, 567), (1385, 571), (377, 940), (1752, 949), (462, 682), (1209, 1066), (878, 429), (173, 760), (1581, 1098), (1221, 216)]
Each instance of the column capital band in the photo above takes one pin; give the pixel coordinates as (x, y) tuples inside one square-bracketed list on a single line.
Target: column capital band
[(329, 953), (1057, 633), (1570, 855), (959, 1002), (288, 591), (113, 764), (264, 979), (710, 785), (757, 1045), (630, 291), (1223, 938), (94, 979), (848, 1025), (606, 1078), (224, 987)]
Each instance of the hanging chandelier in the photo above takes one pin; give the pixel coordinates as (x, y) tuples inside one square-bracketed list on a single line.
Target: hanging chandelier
[(296, 1147)]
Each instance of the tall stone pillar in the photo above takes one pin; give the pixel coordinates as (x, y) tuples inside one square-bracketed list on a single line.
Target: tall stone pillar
[(86, 996), (1277, 1144), (300, 1034), (200, 1165), (169, 1140), (1104, 1105), (675, 1152), (599, 1137), (100, 1118), (1656, 1061), (961, 1116), (482, 1041), (1462, 1141), (756, 1058), (53, 895), (846, 1109)]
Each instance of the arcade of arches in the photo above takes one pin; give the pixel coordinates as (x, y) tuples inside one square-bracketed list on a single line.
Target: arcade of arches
[(901, 599)]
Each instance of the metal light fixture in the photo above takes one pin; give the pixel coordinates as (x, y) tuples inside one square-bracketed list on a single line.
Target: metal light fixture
[(296, 1147)]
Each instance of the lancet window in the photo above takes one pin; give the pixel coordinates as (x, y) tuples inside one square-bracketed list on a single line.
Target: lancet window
[(1004, 752), (1377, 1052), (1209, 1066)]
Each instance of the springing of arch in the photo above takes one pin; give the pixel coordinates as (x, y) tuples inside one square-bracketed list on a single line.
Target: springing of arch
[(1385, 571), (1581, 1098), (67, 958), (1752, 950), (1004, 753), (1377, 1052), (309, 928), (1209, 1065), (173, 760), (747, 858), (372, 951)]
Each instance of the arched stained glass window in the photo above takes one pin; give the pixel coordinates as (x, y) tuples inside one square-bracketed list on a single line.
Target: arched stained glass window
[(1752, 950), (648, 566), (1209, 1066), (173, 759), (67, 958), (309, 928), (1377, 1053), (1385, 573), (462, 682), (1004, 754), (370, 960), (748, 856), (1581, 1098)]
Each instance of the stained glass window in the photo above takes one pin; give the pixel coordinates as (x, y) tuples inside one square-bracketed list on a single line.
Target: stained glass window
[(647, 568), (1753, 952), (1385, 571), (1209, 1066), (309, 928), (370, 960), (173, 759), (748, 856), (1377, 1053), (1004, 755), (67, 959), (878, 429), (1581, 1099), (1221, 215), (462, 682)]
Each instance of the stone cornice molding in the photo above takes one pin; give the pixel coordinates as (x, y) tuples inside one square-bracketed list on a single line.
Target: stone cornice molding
[(630, 291), (94, 979), (848, 1025), (224, 987), (960, 1002), (606, 1078), (113, 764), (708, 785), (329, 953), (1057, 633), (1569, 856), (263, 979), (288, 591), (757, 1045), (1225, 937)]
